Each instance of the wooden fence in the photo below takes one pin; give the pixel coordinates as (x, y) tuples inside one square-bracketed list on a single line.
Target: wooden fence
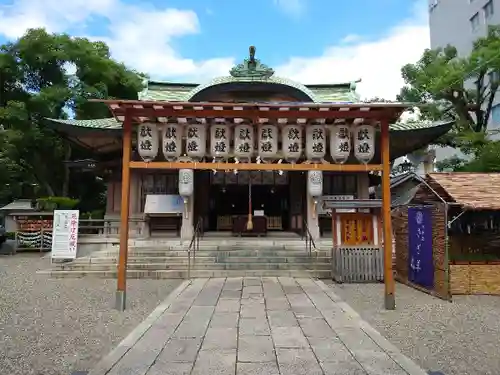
[(357, 264)]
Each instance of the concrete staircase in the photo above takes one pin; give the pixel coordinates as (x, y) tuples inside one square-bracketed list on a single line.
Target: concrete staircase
[(215, 258)]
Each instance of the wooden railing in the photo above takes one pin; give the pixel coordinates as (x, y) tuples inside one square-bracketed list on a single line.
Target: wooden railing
[(359, 264)]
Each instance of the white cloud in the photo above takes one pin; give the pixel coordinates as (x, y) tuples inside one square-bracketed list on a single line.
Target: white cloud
[(377, 62), (142, 37)]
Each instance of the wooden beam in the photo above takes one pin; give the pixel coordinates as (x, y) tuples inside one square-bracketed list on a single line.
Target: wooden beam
[(256, 167), (389, 298), (124, 215)]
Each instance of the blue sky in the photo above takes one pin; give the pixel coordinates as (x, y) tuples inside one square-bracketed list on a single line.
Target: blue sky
[(312, 41)]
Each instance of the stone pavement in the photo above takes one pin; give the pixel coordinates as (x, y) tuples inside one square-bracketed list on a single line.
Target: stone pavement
[(255, 326)]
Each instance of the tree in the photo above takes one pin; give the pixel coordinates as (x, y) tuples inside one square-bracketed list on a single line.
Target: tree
[(449, 86), (37, 82)]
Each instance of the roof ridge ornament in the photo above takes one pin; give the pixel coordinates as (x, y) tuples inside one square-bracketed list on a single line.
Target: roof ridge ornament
[(251, 67)]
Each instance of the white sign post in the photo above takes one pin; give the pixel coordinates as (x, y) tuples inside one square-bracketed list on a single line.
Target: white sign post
[(65, 234)]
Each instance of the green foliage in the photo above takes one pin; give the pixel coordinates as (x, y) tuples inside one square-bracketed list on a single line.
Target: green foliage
[(56, 203), (448, 86), (37, 82)]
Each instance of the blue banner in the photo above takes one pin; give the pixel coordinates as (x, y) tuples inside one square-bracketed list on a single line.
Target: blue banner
[(421, 265)]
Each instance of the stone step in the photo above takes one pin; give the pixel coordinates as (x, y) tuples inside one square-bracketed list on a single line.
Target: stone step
[(183, 274), (202, 259), (213, 253), (212, 266)]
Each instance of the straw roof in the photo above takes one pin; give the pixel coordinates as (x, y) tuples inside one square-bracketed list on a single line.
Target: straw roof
[(476, 191)]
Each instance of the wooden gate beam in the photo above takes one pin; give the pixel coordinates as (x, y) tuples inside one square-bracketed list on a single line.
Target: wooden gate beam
[(256, 167)]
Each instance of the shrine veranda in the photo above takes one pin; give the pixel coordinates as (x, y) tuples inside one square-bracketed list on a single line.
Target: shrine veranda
[(250, 147)]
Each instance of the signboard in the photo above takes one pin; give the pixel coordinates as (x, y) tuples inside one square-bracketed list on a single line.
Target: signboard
[(421, 265), (162, 204), (65, 234)]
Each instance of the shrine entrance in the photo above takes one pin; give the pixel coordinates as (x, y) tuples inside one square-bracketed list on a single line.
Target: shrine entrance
[(231, 195)]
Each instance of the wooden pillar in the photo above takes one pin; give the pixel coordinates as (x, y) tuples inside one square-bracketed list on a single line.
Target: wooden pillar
[(124, 214), (389, 300)]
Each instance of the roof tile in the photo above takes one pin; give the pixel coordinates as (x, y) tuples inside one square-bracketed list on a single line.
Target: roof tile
[(476, 191)]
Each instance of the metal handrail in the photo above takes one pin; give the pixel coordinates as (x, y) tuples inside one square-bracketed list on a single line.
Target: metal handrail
[(194, 245), (306, 234)]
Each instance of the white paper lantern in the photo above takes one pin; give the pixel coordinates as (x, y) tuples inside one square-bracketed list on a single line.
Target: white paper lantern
[(186, 182), (243, 141), (315, 183), (268, 141), (147, 141), (291, 142), (364, 143), (340, 143), (315, 142), (219, 140), (196, 141), (172, 141)]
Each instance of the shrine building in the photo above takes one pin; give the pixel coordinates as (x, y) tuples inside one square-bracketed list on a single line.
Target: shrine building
[(221, 200)]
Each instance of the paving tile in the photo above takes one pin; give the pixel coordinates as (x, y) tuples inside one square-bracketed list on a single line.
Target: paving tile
[(225, 305), (316, 328), (289, 337), (252, 281), (254, 326), (330, 350), (344, 368), (378, 363), (255, 349), (162, 368), (168, 320), (277, 304), (292, 289), (253, 311), (180, 350), (282, 319), (298, 361), (215, 362), (220, 338), (270, 368), (307, 312), (230, 294), (356, 339), (225, 320), (257, 299), (252, 289)]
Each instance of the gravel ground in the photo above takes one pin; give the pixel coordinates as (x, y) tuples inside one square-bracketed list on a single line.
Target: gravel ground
[(54, 327), (458, 338)]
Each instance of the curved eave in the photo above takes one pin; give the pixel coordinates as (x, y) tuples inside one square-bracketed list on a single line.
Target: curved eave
[(100, 136), (105, 135)]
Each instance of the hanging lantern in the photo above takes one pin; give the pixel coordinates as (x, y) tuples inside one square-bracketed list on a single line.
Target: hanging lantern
[(340, 143), (243, 141), (315, 142), (147, 141), (186, 182), (196, 141), (268, 141), (315, 183), (291, 141), (219, 140), (171, 141), (186, 187), (364, 143)]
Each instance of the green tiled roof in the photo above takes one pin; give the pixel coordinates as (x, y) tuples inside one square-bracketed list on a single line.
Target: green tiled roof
[(103, 123), (183, 92)]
